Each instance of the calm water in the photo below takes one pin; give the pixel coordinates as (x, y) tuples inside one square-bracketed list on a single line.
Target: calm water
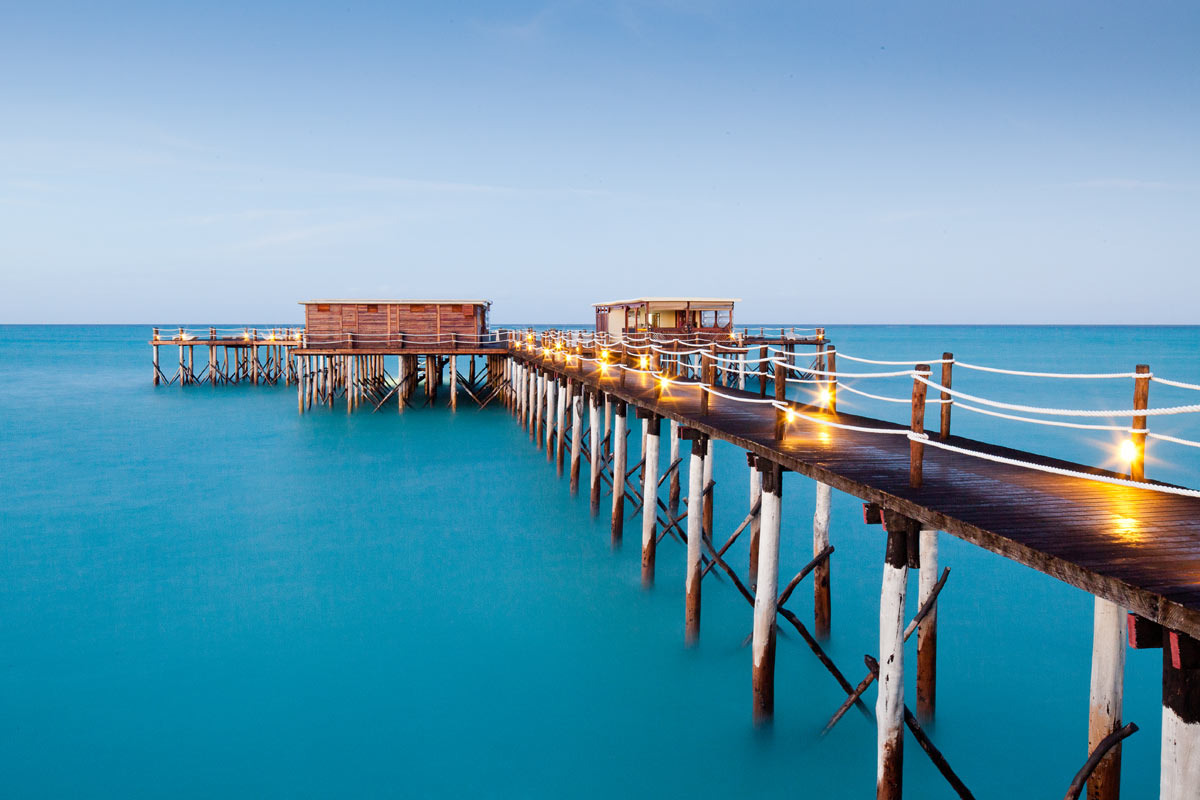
[(202, 593)]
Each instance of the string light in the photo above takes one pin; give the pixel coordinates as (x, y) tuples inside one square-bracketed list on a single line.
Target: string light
[(1129, 451), (825, 396)]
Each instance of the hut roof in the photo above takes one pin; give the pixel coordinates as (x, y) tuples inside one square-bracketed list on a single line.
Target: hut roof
[(638, 300), (403, 302)]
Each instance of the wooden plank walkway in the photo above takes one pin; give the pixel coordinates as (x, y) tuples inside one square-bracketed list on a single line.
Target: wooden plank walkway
[(1136, 547)]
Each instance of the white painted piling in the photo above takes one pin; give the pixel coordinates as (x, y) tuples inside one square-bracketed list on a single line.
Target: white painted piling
[(649, 501), (1106, 695), (766, 596), (595, 422), (821, 598), (927, 631), (889, 705), (618, 472), (576, 435), (673, 489), (551, 408), (755, 520), (560, 414), (695, 533)]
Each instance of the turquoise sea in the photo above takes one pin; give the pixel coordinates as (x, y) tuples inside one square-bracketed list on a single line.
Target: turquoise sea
[(204, 594)]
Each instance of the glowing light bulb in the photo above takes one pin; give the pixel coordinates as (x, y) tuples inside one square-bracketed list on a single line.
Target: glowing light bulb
[(645, 361), (1129, 451), (791, 415), (825, 395)]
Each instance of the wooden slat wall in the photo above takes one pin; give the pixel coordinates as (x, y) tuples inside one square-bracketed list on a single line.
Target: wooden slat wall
[(393, 318), (374, 323), (323, 321)]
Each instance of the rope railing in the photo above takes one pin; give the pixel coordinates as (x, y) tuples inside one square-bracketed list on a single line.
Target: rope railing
[(828, 381)]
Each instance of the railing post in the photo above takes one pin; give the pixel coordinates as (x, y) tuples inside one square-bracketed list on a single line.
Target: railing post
[(947, 374), (1141, 398), (762, 371), (831, 380), (780, 398), (705, 366), (916, 447)]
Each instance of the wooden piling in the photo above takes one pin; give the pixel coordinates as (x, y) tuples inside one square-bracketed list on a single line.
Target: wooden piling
[(889, 706), (576, 434), (594, 420), (695, 533), (300, 394), (618, 471), (560, 414), (539, 403), (822, 603), (673, 456), (1106, 694), (755, 519), (608, 426), (650, 499), (551, 413), (453, 383), (766, 596), (1180, 758), (927, 631), (708, 492)]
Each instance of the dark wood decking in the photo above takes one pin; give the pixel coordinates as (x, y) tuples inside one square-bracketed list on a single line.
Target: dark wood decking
[(1136, 547)]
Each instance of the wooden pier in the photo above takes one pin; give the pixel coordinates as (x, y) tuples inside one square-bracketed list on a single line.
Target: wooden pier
[(230, 355), (1131, 542), (1135, 548)]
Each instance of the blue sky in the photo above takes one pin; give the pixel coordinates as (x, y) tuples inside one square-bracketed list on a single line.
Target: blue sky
[(839, 162)]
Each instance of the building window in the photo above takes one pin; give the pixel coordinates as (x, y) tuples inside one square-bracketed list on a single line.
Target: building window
[(371, 309), (708, 319), (322, 306), (723, 319)]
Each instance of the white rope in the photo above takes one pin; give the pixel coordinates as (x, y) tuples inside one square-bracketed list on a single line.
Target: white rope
[(1174, 439), (1066, 472), (812, 371), (1177, 384), (1079, 375), (1054, 422), (847, 387), (1063, 412), (840, 354)]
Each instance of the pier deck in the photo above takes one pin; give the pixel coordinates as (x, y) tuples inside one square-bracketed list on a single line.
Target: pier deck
[(1136, 547)]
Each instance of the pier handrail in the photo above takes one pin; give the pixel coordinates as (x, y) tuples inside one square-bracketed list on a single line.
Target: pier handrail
[(828, 380)]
